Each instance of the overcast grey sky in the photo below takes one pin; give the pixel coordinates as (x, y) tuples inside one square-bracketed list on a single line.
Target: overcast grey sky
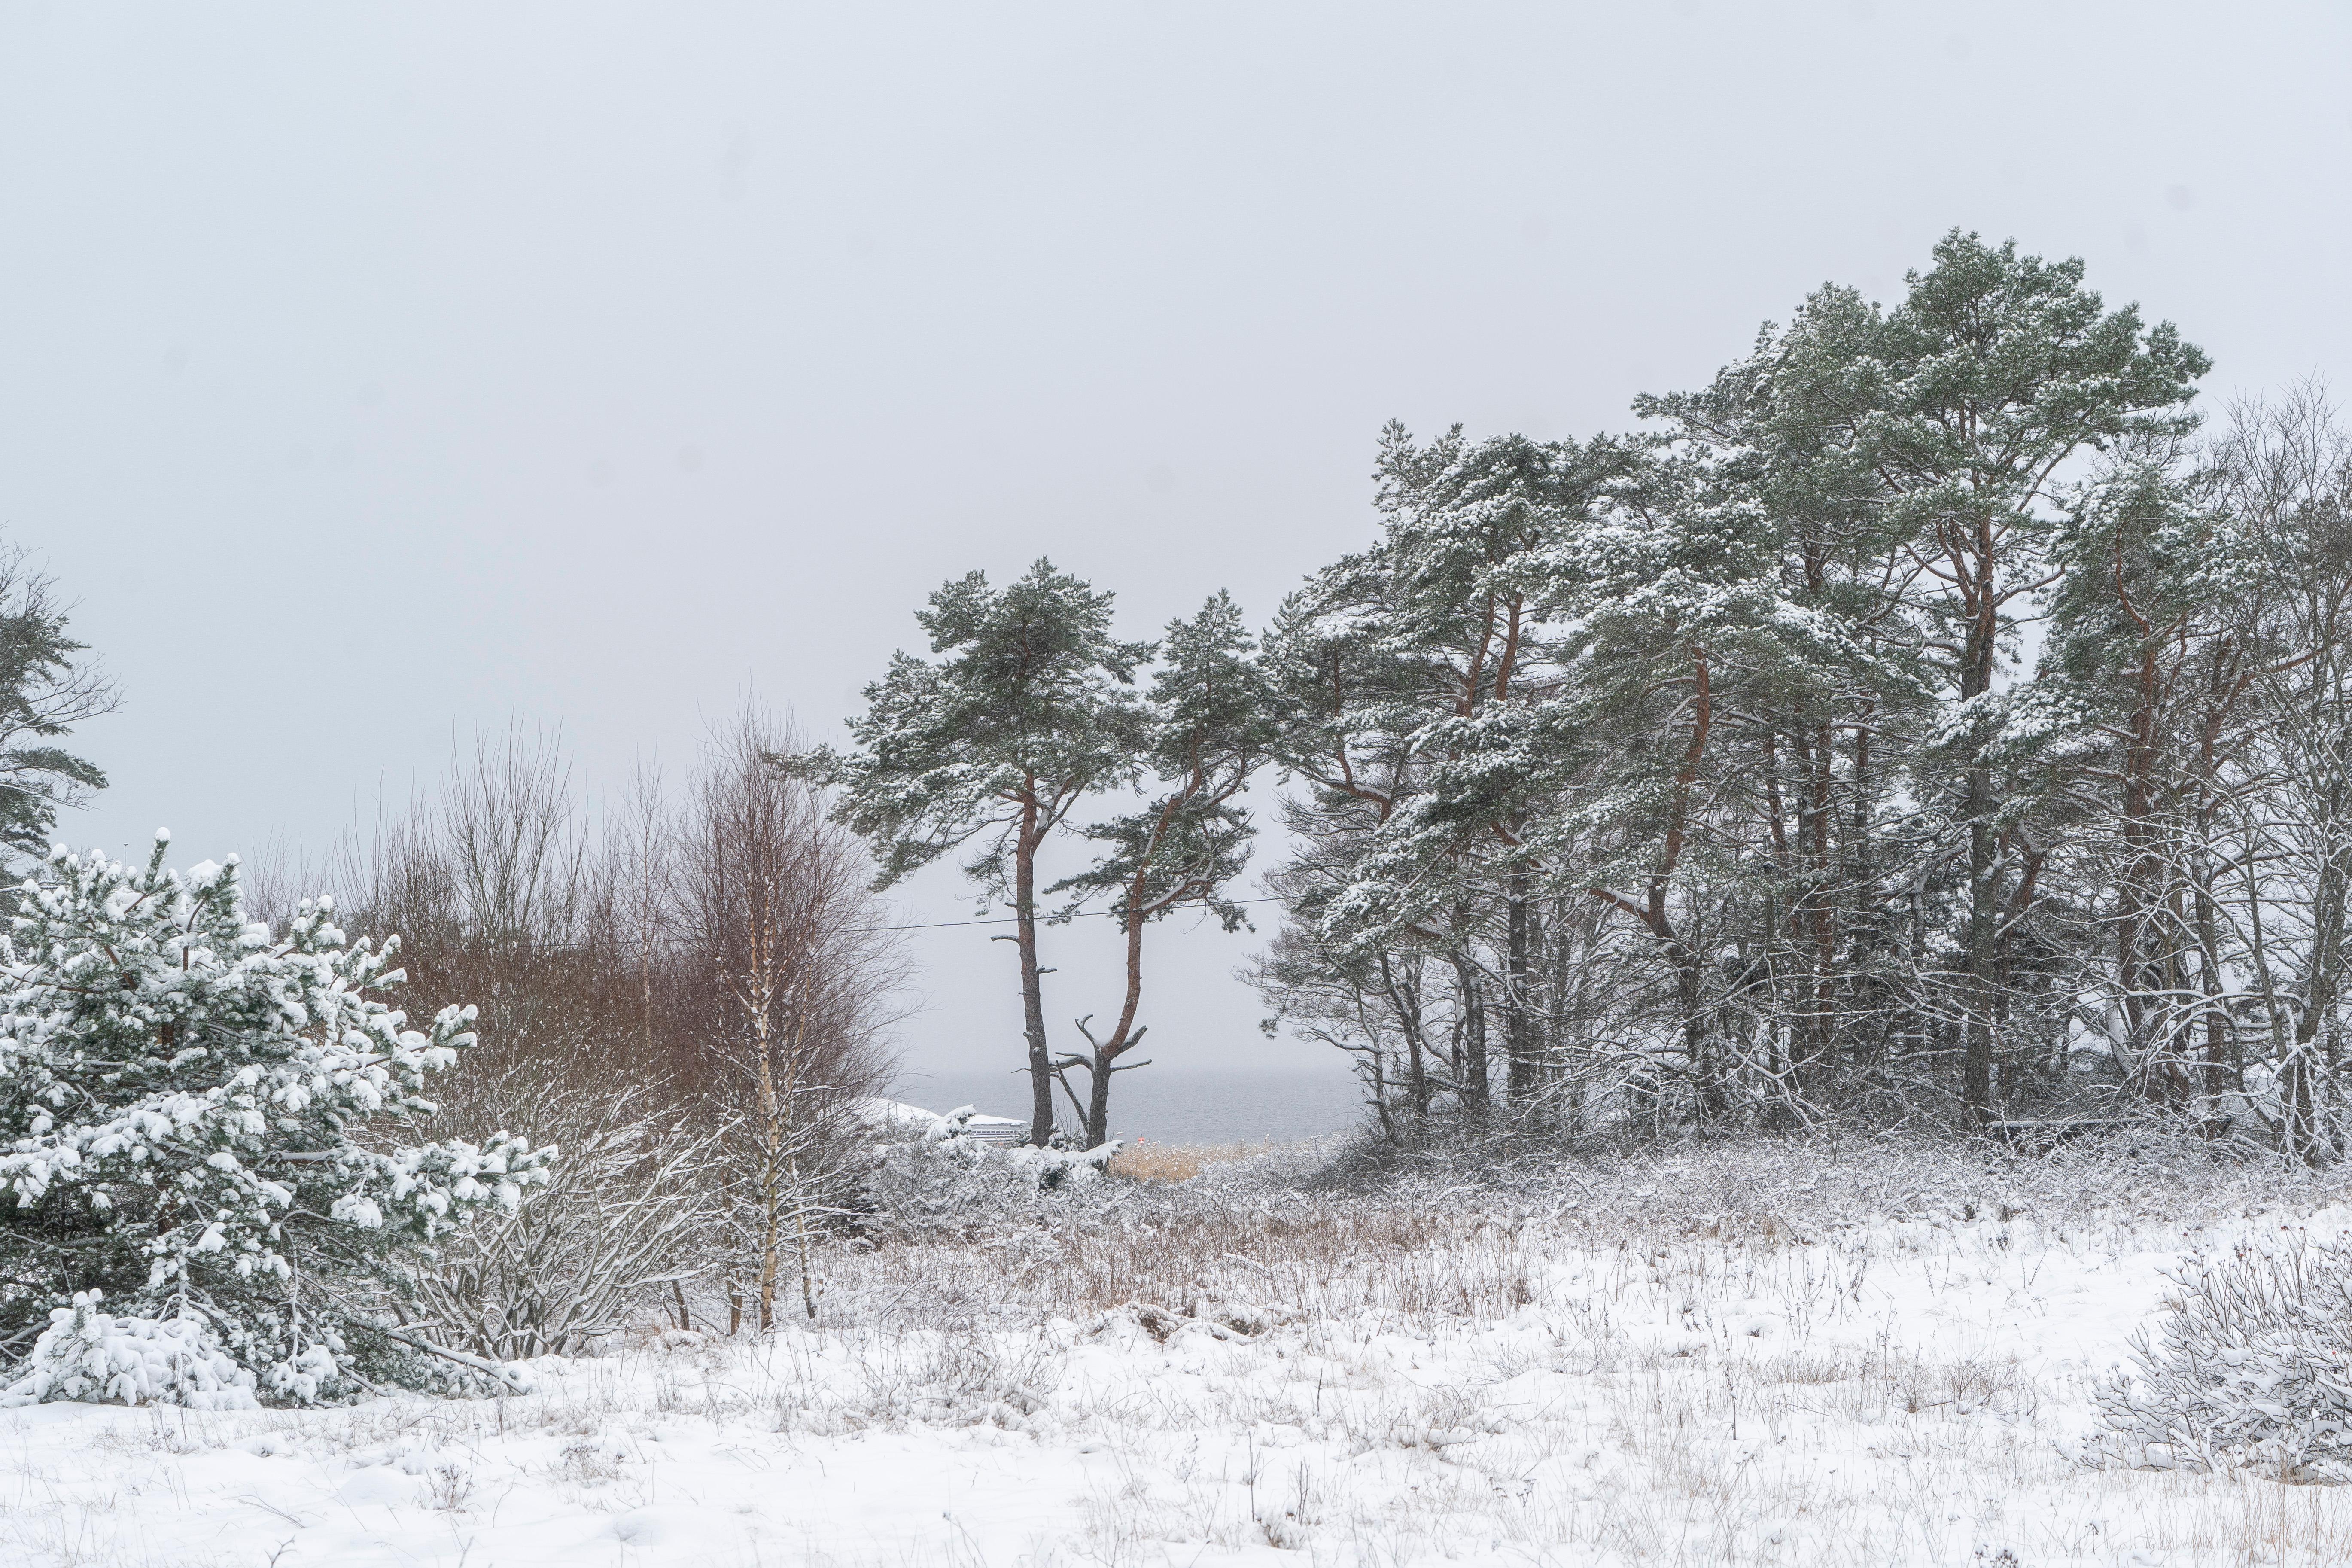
[(374, 373)]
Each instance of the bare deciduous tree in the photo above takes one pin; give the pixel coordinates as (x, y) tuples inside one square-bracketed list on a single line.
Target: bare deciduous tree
[(789, 983)]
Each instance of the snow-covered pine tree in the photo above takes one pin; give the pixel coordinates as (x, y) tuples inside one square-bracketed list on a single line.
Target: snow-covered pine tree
[(1417, 683), (2000, 368), (182, 1100), (1947, 725), (1828, 691), (2156, 640)]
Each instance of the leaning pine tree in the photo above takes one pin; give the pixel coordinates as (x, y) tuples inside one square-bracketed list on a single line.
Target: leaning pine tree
[(188, 1209)]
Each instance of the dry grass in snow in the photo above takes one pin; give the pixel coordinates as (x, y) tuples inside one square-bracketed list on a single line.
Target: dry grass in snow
[(1787, 1354), (1145, 1161)]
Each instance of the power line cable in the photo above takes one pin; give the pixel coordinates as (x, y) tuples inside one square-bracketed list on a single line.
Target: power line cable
[(1016, 920)]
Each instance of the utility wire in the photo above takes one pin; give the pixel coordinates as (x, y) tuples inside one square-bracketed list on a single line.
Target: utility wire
[(1016, 920)]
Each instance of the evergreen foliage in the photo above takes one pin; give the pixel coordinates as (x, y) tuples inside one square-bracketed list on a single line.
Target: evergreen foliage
[(1206, 726), (45, 690), (89, 1355), (198, 1119), (1024, 714)]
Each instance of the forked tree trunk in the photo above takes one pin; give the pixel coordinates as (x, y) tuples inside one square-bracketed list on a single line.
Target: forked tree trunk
[(1404, 999)]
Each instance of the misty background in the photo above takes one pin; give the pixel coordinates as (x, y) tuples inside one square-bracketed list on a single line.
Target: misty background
[(377, 376)]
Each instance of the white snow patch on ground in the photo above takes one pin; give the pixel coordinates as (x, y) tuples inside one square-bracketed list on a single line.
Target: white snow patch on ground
[(1900, 1393)]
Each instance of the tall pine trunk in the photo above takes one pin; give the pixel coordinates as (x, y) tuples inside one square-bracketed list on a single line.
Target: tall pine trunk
[(1525, 1067), (1475, 1096), (1033, 993), (1982, 953), (1822, 1024)]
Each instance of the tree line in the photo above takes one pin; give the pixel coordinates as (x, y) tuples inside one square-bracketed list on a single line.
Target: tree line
[(1931, 716)]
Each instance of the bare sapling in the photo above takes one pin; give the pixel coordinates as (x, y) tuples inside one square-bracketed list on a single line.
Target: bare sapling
[(771, 901)]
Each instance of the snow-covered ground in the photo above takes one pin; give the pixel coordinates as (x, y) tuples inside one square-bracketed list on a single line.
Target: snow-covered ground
[(1749, 1382)]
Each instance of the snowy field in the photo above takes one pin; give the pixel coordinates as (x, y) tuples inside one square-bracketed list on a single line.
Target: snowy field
[(1782, 1356)]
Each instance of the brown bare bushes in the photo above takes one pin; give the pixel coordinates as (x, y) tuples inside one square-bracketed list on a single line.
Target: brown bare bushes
[(688, 999)]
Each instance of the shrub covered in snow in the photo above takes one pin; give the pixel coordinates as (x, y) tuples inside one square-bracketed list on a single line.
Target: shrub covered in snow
[(93, 1356), (628, 1213), (934, 1178), (183, 1095), (2252, 1366)]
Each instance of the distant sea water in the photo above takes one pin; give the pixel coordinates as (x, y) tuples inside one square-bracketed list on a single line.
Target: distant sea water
[(1173, 1108)]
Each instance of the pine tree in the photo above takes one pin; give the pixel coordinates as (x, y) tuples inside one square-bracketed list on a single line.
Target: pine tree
[(185, 1107), (2155, 640), (1828, 702), (1206, 728), (1680, 590), (1421, 686), (2001, 367), (1023, 716), (45, 692)]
